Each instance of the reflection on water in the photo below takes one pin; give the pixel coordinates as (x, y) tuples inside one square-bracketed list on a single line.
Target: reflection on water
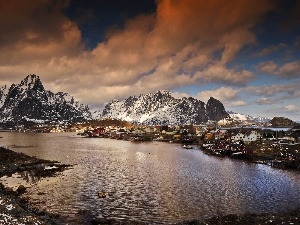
[(30, 176), (26, 178), (150, 182)]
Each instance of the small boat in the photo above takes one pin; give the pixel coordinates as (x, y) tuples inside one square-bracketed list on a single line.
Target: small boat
[(187, 146)]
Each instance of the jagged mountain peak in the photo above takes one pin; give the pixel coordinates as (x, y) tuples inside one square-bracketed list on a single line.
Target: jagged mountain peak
[(212, 99), (31, 81), (29, 101), (161, 107), (31, 78), (157, 94), (163, 92), (215, 109)]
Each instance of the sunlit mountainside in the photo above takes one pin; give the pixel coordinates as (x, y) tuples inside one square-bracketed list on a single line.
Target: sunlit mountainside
[(162, 107)]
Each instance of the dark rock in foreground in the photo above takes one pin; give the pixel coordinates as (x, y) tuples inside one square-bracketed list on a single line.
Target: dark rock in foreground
[(13, 208), (11, 162)]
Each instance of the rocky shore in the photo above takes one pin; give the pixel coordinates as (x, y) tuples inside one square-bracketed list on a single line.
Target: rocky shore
[(15, 210)]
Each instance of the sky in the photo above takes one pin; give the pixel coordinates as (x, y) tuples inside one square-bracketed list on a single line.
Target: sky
[(245, 53)]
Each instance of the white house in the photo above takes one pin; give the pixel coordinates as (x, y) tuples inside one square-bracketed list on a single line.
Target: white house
[(252, 136), (247, 137)]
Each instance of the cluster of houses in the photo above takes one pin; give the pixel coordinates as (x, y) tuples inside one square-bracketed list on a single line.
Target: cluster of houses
[(192, 133), (149, 133), (233, 142), (238, 142), (198, 134), (230, 142)]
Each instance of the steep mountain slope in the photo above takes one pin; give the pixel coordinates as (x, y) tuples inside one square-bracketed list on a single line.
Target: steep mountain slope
[(29, 101), (163, 108), (215, 109)]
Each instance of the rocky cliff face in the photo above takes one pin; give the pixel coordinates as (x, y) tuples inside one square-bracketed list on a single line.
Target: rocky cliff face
[(29, 101), (215, 109), (162, 108)]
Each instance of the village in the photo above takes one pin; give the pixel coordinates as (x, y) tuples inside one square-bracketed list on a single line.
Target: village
[(275, 147)]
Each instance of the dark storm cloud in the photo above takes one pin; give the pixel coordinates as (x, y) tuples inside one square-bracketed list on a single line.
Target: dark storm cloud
[(36, 28)]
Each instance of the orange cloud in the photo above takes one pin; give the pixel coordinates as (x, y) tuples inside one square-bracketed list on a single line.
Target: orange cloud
[(193, 38), (31, 30)]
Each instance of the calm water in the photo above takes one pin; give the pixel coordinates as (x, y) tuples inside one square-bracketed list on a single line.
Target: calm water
[(158, 183)]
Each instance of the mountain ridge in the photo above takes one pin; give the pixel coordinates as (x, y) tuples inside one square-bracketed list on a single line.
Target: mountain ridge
[(247, 118), (28, 101), (162, 107)]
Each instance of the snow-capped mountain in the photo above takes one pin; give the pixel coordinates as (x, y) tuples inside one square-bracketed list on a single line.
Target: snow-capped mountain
[(246, 118), (3, 94), (29, 101), (162, 107)]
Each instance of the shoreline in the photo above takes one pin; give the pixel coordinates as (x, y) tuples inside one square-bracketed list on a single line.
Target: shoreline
[(16, 210)]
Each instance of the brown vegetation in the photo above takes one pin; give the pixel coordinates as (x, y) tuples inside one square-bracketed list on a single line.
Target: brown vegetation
[(107, 122)]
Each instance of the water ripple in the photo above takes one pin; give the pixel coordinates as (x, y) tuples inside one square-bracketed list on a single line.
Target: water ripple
[(158, 183)]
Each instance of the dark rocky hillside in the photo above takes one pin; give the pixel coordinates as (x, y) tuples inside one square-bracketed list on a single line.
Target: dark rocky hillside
[(215, 109)]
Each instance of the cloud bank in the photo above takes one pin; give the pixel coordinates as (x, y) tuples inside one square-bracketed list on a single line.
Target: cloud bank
[(184, 42)]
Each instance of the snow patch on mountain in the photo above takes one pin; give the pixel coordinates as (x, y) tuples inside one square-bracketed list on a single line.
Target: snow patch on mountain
[(163, 107), (247, 118), (3, 94), (29, 101)]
